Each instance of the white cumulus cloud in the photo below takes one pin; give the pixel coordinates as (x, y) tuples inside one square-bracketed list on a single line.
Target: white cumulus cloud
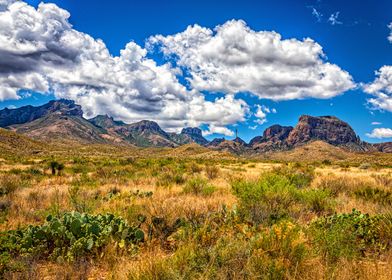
[(390, 34), (42, 52), (233, 58), (381, 89), (380, 133), (213, 129)]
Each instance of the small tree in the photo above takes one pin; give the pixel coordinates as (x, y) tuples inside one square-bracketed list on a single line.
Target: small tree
[(54, 165)]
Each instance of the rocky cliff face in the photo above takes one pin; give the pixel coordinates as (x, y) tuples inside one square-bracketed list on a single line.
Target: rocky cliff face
[(195, 134), (326, 128)]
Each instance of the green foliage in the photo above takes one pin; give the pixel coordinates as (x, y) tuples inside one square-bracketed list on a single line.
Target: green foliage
[(299, 175), (195, 168), (56, 166), (70, 237), (318, 200), (351, 235), (198, 186), (267, 200)]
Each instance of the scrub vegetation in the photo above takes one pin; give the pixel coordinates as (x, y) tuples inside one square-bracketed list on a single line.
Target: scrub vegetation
[(193, 214)]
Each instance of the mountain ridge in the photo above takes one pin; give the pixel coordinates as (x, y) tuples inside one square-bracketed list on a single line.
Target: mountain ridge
[(63, 120)]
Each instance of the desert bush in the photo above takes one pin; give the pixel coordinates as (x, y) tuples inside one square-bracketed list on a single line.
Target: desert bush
[(351, 235), (318, 200), (198, 186), (267, 200), (78, 199), (335, 184), (56, 166), (212, 171), (84, 180), (299, 175)]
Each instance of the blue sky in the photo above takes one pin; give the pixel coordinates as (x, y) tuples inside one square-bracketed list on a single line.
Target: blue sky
[(356, 42)]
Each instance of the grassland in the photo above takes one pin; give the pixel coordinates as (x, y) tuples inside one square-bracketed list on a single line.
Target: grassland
[(102, 212)]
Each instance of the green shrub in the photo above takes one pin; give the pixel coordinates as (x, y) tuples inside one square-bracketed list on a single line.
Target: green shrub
[(198, 186), (298, 175), (319, 201), (351, 235), (267, 200), (195, 168)]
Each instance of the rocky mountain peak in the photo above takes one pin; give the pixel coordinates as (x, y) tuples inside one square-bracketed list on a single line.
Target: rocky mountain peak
[(195, 134), (63, 106), (191, 131), (146, 125), (277, 132), (105, 121), (326, 128)]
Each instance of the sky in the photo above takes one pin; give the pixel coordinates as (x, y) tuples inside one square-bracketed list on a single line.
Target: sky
[(218, 65)]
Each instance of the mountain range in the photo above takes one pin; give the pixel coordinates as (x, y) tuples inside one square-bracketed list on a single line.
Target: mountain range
[(62, 120)]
